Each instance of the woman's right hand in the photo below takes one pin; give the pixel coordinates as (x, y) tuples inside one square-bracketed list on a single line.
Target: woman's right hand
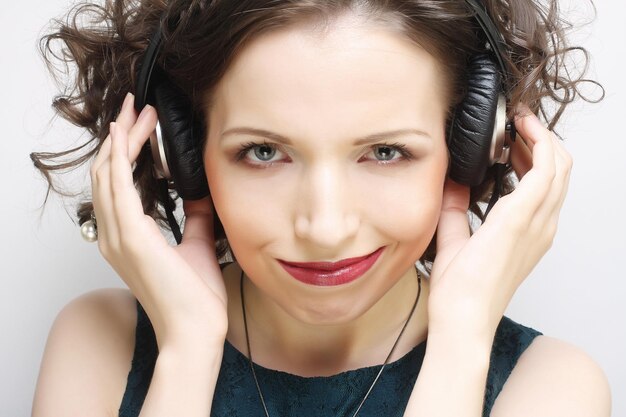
[(181, 288)]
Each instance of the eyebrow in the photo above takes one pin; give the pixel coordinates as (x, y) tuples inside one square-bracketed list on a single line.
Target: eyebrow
[(375, 137)]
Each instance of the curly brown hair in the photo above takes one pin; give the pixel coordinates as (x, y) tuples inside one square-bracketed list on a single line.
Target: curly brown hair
[(104, 44)]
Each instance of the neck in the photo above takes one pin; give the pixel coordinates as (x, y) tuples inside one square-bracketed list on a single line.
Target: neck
[(278, 340)]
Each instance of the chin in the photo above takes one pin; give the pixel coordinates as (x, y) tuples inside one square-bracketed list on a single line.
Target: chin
[(327, 314)]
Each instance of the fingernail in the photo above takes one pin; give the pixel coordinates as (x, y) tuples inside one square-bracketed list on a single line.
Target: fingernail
[(144, 112), (112, 128), (127, 100)]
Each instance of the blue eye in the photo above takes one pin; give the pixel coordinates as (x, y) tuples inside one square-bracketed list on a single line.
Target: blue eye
[(263, 153), (385, 153)]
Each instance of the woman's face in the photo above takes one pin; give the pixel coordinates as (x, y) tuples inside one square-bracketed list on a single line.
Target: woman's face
[(323, 148)]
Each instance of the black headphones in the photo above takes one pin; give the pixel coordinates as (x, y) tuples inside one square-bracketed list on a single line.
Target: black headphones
[(476, 134)]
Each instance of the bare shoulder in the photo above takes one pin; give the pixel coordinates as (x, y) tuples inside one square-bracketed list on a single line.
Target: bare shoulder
[(554, 378), (87, 356)]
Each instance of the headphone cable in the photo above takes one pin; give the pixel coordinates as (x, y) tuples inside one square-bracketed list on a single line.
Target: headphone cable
[(169, 204), (499, 171)]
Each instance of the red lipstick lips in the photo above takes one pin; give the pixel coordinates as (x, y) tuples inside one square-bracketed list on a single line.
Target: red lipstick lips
[(331, 273)]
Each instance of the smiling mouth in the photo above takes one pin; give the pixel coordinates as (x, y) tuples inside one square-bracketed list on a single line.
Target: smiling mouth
[(331, 273)]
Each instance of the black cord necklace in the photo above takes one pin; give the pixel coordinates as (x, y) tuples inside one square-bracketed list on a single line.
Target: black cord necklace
[(256, 381)]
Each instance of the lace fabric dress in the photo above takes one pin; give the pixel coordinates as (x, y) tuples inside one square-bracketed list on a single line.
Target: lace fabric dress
[(288, 395)]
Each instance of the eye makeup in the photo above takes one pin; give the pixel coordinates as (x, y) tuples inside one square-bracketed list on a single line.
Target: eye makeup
[(262, 154)]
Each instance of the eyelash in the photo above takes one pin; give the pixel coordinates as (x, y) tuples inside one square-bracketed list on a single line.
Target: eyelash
[(401, 148)]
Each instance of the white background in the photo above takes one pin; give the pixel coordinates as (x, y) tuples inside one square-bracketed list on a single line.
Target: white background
[(577, 293)]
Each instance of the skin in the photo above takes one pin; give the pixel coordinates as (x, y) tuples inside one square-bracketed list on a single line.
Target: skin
[(324, 196), (293, 210)]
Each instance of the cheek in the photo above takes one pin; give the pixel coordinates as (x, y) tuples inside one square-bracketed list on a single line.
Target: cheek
[(248, 209), (408, 209)]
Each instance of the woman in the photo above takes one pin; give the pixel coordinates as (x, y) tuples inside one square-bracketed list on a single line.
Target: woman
[(325, 131)]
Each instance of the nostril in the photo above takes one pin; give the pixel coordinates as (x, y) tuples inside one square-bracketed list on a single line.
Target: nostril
[(301, 227), (326, 232)]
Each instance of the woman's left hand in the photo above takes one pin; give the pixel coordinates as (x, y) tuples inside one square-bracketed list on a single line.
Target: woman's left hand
[(474, 278)]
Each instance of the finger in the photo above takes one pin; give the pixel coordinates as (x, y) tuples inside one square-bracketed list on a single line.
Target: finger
[(453, 228), (140, 131), (545, 222), (121, 174), (521, 158), (560, 185), (198, 220), (128, 115), (101, 167), (126, 119), (103, 153), (567, 164), (102, 205), (102, 197), (536, 183), (198, 236), (524, 116), (128, 210), (521, 149)]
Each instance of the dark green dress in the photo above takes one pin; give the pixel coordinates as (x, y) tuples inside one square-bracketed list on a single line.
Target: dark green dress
[(288, 395)]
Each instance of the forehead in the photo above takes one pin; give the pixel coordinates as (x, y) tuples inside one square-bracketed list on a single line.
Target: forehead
[(349, 74)]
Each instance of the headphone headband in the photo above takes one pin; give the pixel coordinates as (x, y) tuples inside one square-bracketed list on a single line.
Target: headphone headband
[(494, 37), (145, 71)]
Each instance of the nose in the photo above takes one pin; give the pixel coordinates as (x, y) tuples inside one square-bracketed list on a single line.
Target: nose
[(327, 216)]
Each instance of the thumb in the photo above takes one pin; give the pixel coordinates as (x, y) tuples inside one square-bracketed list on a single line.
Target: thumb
[(453, 229), (198, 219)]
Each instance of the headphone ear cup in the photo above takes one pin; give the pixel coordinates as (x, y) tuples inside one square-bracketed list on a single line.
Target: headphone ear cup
[(471, 131), (180, 133)]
